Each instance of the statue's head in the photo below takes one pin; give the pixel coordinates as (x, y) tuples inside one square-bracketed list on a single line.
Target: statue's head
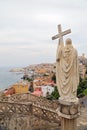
[(68, 41)]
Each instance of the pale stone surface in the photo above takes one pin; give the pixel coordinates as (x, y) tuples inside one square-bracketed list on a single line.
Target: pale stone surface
[(67, 73), (67, 76), (69, 110), (67, 124), (61, 34), (82, 120)]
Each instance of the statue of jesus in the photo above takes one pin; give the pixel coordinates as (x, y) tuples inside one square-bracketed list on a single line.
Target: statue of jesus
[(67, 74)]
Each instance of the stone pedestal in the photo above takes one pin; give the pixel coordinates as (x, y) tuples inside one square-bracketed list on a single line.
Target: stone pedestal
[(69, 112), (68, 124)]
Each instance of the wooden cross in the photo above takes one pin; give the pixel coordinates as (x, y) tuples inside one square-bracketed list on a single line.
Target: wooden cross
[(61, 34)]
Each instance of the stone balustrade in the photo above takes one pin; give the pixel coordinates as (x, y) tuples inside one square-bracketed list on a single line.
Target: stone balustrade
[(25, 106), (28, 97)]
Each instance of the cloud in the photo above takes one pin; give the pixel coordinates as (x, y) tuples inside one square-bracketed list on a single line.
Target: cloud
[(26, 28)]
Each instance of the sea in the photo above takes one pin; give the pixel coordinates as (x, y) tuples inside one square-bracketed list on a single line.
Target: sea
[(7, 78)]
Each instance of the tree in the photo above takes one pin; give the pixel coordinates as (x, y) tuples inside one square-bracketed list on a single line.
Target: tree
[(54, 78), (54, 95), (31, 88), (82, 88)]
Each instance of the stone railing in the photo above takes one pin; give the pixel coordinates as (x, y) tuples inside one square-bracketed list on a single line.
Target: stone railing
[(22, 107), (46, 114), (28, 97), (8, 109)]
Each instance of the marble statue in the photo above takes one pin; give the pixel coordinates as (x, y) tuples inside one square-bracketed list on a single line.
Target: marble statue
[(67, 78), (67, 74)]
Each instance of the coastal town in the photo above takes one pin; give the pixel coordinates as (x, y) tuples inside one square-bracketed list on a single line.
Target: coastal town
[(36, 86), (40, 79), (36, 78)]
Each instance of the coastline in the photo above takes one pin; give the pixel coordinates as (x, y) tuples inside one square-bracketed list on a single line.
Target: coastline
[(8, 78)]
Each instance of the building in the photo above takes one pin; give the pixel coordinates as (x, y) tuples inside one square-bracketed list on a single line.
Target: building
[(83, 66)]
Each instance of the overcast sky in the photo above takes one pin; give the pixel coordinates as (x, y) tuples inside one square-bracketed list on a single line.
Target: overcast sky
[(26, 28)]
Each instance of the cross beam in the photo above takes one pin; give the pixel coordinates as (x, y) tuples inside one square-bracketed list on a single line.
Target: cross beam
[(61, 34)]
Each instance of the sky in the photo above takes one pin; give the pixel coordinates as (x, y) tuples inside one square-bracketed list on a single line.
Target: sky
[(27, 27)]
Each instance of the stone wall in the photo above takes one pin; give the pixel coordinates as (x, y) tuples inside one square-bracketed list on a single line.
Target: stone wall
[(26, 123)]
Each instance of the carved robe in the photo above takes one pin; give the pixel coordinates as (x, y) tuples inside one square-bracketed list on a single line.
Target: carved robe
[(67, 74)]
